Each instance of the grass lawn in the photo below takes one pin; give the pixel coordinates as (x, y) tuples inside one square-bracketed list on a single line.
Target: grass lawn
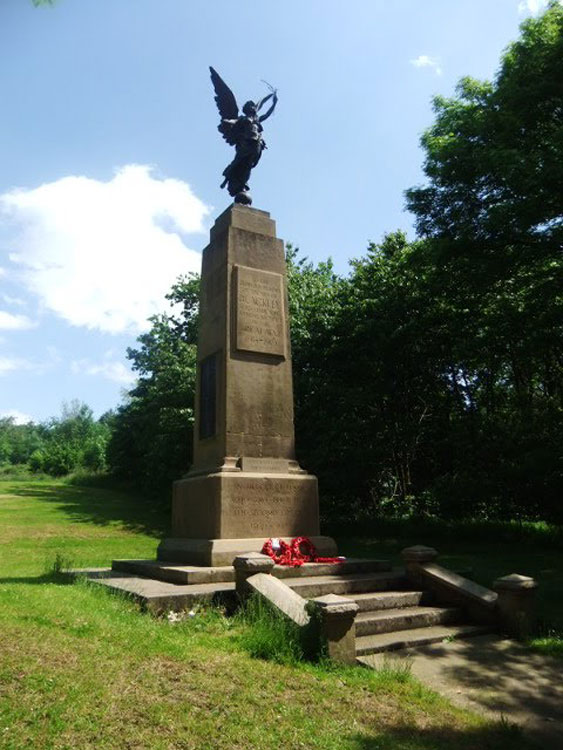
[(81, 668)]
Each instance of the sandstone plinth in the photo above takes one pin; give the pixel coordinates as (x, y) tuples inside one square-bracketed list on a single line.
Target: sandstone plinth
[(245, 484)]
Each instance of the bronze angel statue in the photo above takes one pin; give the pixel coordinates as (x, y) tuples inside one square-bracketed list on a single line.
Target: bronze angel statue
[(244, 132)]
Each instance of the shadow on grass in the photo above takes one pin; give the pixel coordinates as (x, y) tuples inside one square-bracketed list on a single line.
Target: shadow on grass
[(500, 737), (97, 506), (61, 579)]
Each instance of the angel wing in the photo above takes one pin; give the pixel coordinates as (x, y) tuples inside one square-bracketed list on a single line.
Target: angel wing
[(227, 106)]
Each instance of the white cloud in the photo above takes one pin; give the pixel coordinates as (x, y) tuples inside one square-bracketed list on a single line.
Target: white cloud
[(425, 61), (10, 322), (19, 364), (11, 364), (532, 6), (13, 300), (111, 370), (2, 272), (18, 416), (104, 254)]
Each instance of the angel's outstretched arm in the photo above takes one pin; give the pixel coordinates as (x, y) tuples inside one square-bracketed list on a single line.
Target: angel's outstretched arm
[(269, 112)]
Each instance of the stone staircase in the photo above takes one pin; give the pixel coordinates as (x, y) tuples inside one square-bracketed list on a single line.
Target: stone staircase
[(392, 614), (386, 608)]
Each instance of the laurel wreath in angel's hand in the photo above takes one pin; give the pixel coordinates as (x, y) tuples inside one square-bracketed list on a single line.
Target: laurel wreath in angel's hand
[(229, 109)]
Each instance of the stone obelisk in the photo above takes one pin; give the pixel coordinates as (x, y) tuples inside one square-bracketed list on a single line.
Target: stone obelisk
[(245, 484)]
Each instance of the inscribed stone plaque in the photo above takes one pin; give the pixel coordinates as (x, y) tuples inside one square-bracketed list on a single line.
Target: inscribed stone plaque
[(268, 507), (260, 315), (208, 397), (264, 465)]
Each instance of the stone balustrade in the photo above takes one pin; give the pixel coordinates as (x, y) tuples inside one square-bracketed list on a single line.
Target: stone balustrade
[(510, 606)]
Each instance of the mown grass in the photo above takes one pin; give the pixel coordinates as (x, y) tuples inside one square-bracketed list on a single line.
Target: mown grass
[(80, 668)]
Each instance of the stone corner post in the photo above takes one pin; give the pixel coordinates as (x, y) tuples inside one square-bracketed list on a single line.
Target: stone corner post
[(516, 604), (334, 618), (248, 565), (416, 556)]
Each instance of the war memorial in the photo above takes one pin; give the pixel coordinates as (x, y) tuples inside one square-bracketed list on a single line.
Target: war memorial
[(245, 518)]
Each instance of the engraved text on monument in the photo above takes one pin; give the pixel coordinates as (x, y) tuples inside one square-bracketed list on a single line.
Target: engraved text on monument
[(260, 315)]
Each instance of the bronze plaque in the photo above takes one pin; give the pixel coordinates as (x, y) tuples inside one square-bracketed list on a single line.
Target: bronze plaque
[(260, 314)]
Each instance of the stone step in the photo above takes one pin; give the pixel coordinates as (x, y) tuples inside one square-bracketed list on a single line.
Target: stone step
[(345, 566), (373, 644), (392, 620), (312, 586), (381, 600), (187, 574), (181, 575), (160, 596)]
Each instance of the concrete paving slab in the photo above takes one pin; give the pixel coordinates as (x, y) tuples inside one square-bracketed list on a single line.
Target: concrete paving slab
[(494, 677)]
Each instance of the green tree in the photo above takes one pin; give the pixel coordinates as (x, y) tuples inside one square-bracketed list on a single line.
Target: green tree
[(493, 215), (73, 441), (151, 439), (18, 442), (494, 156)]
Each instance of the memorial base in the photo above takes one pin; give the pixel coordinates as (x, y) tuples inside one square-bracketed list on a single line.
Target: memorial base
[(219, 552), (219, 515)]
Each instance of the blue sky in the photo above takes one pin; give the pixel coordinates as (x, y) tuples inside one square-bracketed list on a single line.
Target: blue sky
[(111, 161)]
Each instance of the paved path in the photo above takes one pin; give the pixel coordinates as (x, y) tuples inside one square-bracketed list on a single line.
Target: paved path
[(493, 677)]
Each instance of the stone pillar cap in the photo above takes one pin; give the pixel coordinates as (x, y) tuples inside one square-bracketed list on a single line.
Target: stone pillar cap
[(253, 561), (335, 605), (515, 582), (419, 553)]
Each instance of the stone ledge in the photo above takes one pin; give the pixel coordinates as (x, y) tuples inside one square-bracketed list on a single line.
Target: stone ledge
[(419, 554), (463, 586), (222, 552), (253, 562), (280, 596), (334, 605), (515, 582)]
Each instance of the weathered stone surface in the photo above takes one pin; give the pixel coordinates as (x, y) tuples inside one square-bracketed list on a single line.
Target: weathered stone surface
[(345, 566), (516, 604), (247, 565), (180, 574), (280, 596), (335, 605), (254, 562), (260, 314), (373, 644), (161, 596), (466, 588), (252, 464), (419, 553), (451, 588), (245, 482), (228, 505), (515, 582), (316, 586), (405, 618), (221, 552), (385, 600), (244, 263), (334, 617)]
